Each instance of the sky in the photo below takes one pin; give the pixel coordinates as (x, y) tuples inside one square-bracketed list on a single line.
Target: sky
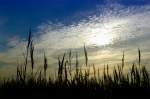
[(106, 27)]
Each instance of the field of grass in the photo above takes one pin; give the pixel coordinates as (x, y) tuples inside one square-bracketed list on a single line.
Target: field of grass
[(75, 82)]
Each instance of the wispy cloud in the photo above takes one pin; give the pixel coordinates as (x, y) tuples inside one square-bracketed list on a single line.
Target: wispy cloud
[(129, 25), (128, 29)]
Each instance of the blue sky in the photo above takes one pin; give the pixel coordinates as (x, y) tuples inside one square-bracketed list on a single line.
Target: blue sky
[(18, 15), (105, 26)]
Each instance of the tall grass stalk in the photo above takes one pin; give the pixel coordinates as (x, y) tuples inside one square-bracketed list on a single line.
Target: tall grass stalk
[(86, 56), (45, 65)]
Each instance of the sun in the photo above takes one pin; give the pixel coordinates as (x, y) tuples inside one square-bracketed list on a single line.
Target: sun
[(101, 37)]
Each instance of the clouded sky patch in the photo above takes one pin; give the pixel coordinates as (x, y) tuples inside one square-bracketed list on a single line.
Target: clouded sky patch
[(106, 29)]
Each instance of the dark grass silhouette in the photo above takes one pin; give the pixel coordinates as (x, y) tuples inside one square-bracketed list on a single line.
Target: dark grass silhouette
[(77, 82)]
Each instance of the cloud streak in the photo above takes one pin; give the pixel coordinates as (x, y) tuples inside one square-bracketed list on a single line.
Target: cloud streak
[(128, 29)]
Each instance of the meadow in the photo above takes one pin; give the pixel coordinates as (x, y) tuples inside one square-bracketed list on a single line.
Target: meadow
[(74, 81)]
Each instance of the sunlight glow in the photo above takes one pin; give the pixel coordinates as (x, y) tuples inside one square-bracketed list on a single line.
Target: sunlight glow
[(101, 37)]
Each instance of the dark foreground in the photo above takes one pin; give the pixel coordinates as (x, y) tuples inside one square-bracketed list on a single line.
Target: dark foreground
[(120, 93)]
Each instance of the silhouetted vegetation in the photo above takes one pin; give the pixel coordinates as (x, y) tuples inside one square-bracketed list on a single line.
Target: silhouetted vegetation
[(75, 81)]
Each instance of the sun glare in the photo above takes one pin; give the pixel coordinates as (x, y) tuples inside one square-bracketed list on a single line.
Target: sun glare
[(101, 37)]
